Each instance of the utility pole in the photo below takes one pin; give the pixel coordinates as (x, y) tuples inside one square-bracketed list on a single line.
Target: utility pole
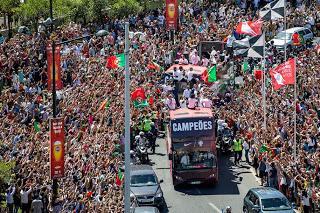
[(51, 15), (54, 110), (127, 123)]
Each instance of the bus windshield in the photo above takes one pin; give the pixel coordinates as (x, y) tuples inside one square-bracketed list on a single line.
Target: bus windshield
[(184, 160)]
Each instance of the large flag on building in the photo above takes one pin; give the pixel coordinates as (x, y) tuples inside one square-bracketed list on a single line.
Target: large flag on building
[(115, 61), (272, 10), (251, 47), (250, 28), (283, 74)]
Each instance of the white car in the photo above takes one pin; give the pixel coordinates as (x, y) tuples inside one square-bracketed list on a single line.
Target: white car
[(285, 37)]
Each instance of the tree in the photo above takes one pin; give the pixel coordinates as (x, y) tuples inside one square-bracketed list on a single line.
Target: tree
[(123, 8), (96, 10), (6, 171), (7, 7), (32, 10)]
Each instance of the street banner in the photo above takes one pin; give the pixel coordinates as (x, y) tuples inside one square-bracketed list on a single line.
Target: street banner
[(56, 148), (57, 60), (172, 14)]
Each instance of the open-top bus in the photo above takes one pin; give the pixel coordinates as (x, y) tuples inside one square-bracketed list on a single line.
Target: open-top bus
[(191, 146)]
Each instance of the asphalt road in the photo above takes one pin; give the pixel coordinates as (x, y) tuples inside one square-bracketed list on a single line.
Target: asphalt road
[(233, 185)]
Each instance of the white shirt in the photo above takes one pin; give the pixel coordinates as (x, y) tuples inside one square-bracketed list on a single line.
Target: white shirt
[(310, 142), (305, 201), (205, 102), (195, 59), (9, 196), (185, 160), (171, 103), (183, 61), (183, 103), (177, 75), (25, 196), (192, 103), (205, 62), (186, 93), (167, 88), (190, 75), (245, 145)]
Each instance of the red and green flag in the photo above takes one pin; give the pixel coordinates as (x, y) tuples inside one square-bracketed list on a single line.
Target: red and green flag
[(119, 178), (138, 93), (105, 105), (139, 98), (115, 61), (210, 76)]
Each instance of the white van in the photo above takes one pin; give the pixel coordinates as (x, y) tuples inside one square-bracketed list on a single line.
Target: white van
[(285, 37)]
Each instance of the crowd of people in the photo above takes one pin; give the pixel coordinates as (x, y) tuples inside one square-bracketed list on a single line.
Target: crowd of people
[(91, 104)]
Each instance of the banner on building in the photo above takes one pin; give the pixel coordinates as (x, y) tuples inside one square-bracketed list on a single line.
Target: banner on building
[(57, 62), (56, 147), (172, 14)]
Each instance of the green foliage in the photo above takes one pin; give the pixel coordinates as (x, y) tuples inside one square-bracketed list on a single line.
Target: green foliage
[(34, 9), (123, 8), (6, 171), (8, 6), (96, 10)]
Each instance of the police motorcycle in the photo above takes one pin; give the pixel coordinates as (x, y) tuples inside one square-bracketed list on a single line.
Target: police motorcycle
[(142, 149), (227, 140), (225, 137), (133, 158)]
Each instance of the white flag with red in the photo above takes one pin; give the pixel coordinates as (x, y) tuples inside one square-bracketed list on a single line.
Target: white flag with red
[(283, 74), (250, 28)]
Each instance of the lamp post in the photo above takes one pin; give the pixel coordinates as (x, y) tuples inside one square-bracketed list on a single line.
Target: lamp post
[(54, 103), (127, 123), (51, 15)]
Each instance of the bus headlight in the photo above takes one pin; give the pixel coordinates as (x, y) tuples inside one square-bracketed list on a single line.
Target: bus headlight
[(178, 177), (211, 176)]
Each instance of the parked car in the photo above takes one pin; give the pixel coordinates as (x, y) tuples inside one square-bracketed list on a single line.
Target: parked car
[(145, 209), (285, 37), (265, 199), (145, 186)]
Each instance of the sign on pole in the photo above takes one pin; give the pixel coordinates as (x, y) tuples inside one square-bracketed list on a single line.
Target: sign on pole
[(57, 61), (172, 14), (56, 148)]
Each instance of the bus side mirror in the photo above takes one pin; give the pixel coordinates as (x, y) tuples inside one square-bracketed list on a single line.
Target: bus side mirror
[(170, 156)]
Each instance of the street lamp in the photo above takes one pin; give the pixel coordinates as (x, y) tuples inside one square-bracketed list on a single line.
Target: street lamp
[(127, 123)]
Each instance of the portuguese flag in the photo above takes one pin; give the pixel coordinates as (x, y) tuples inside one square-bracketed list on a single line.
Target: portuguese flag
[(211, 75), (119, 178), (115, 61), (139, 98)]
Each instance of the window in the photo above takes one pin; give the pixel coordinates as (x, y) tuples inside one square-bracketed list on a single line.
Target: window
[(184, 160), (254, 199), (284, 36), (307, 31), (279, 203), (143, 180)]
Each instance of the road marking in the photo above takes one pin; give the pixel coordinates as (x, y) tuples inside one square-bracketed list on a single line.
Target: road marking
[(214, 207)]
